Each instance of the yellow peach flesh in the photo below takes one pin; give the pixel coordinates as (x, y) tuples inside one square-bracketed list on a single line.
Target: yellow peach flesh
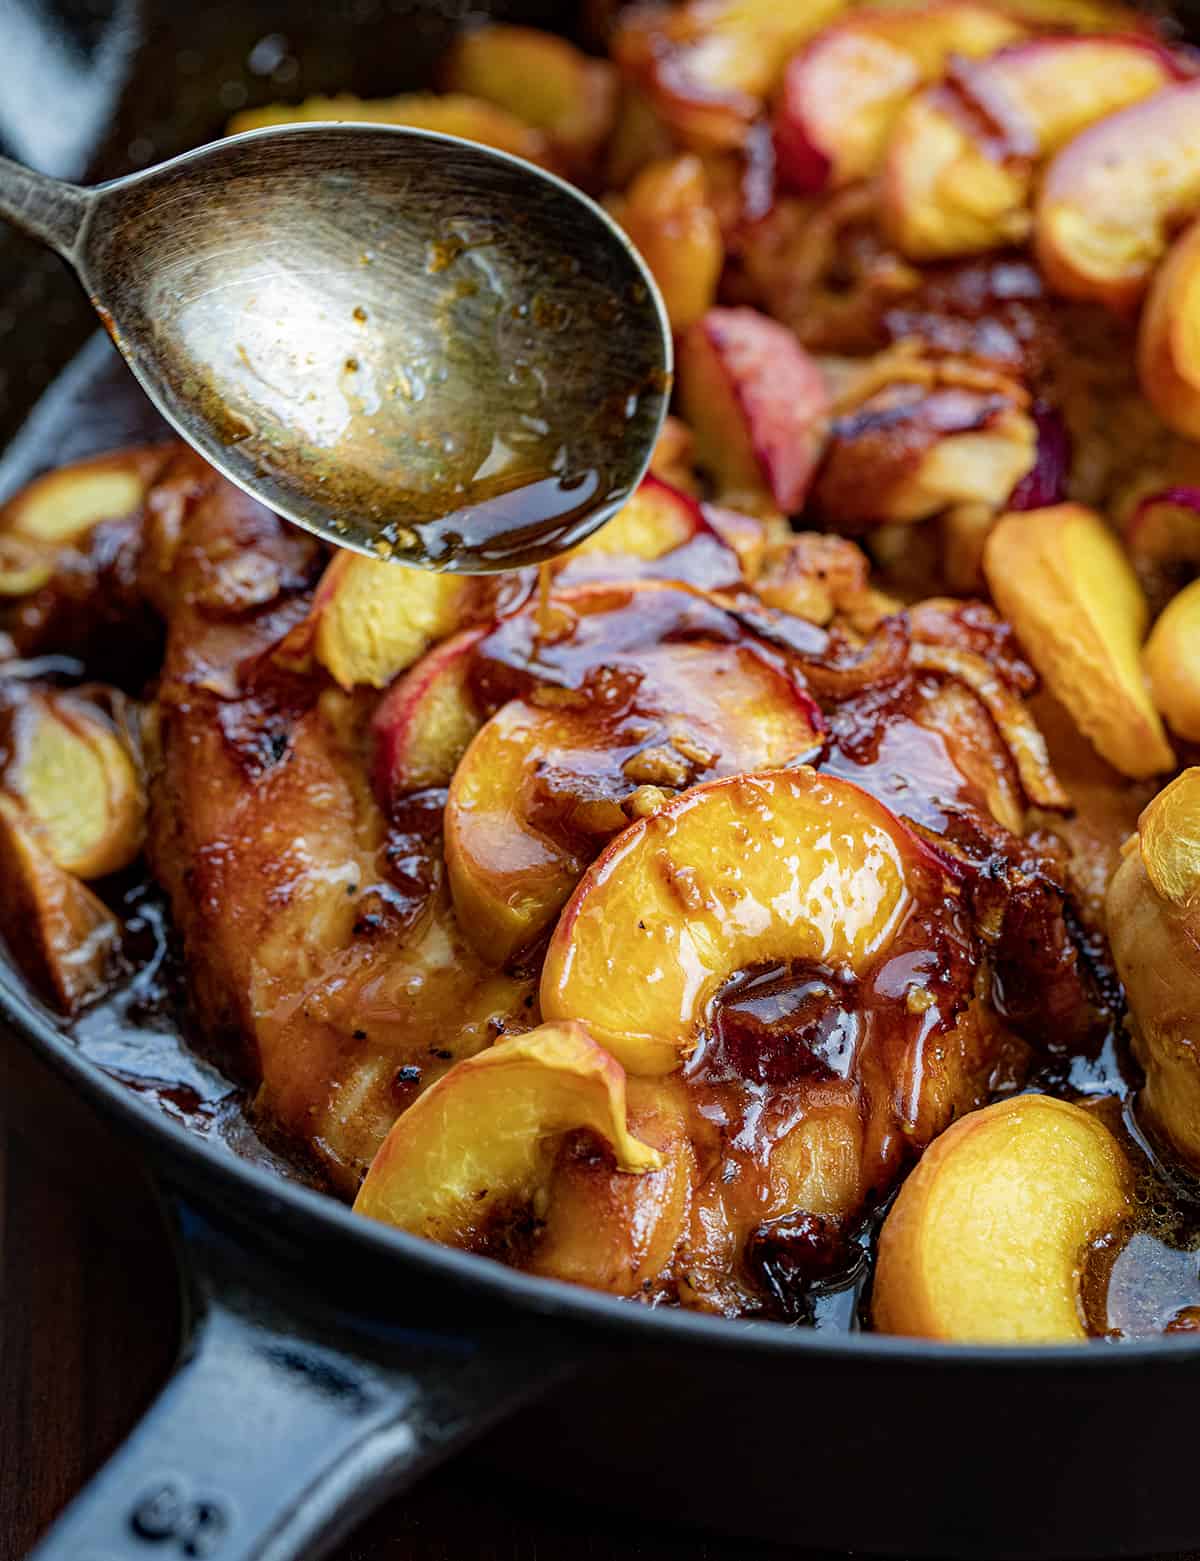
[(945, 194), (479, 1142), (58, 931), (1153, 915), (1169, 338), (75, 779), (1172, 662), (539, 79), (63, 505), (753, 869), (372, 619), (454, 114), (510, 877), (987, 1241), (667, 214), (1110, 199), (1066, 586)]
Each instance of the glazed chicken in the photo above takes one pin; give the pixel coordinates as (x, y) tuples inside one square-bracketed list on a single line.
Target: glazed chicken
[(662, 919), (373, 888)]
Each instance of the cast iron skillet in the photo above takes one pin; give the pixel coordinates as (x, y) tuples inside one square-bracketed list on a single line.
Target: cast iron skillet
[(328, 1360)]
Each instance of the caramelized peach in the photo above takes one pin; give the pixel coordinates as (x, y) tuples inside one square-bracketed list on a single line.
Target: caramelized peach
[(538, 78), (1169, 339), (1154, 928), (1102, 224), (544, 785), (370, 619), (64, 505), (1061, 579), (752, 870), (960, 165), (1162, 536), (454, 115), (422, 727), (707, 65), (477, 1148), (656, 520), (1172, 662), (75, 779), (63, 938), (842, 93), (987, 1241), (758, 405), (668, 215)]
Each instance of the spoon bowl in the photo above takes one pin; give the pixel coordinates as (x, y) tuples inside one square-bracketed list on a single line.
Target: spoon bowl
[(418, 347)]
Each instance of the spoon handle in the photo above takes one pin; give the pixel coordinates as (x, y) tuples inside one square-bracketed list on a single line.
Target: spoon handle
[(45, 208)]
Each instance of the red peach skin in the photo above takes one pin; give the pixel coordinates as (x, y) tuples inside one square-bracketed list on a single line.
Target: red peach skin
[(1111, 199), (842, 93), (758, 404)]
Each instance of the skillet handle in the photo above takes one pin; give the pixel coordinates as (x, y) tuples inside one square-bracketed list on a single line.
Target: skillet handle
[(284, 1423)]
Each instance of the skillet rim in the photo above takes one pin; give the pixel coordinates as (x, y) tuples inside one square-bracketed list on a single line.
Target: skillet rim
[(226, 1174)]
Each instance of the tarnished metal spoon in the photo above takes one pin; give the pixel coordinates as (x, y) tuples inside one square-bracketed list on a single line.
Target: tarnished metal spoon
[(412, 345)]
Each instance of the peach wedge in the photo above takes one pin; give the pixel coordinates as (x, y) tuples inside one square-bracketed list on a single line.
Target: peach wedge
[(370, 620), (75, 779), (1154, 929), (706, 66), (540, 790), (669, 216), (455, 114), (841, 94), (479, 1143), (538, 78), (988, 1239), (755, 869), (1102, 222), (1172, 662), (758, 405), (1169, 337), (951, 188), (65, 940), (1064, 583), (424, 723)]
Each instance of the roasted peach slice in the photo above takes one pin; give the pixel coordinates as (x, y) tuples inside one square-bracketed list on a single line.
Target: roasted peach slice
[(475, 1152), (1169, 338), (842, 93), (1162, 536), (1154, 929), (988, 1239), (538, 78), (1172, 662), (752, 870), (370, 620), (75, 779), (455, 114), (669, 216), (1062, 580), (707, 65), (544, 785), (910, 451), (64, 505), (1111, 200), (959, 171), (423, 725), (646, 538), (62, 937), (758, 405)]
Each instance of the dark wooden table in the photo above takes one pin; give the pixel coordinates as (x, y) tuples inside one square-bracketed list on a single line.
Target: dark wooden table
[(88, 1331)]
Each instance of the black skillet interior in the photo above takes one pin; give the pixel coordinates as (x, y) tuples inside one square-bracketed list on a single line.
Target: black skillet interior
[(301, 1398)]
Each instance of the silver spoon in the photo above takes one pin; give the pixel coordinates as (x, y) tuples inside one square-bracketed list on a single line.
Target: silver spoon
[(412, 345)]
